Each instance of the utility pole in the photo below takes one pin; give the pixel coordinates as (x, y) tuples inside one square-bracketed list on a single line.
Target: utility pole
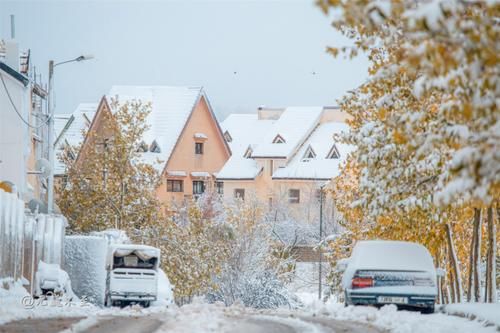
[(320, 239), (50, 185), (51, 152)]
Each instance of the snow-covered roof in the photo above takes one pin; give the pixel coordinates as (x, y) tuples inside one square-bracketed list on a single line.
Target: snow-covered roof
[(319, 144), (171, 108), (294, 124), (245, 130), (69, 130)]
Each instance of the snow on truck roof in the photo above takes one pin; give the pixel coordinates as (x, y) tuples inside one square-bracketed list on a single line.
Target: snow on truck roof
[(143, 251), (391, 255)]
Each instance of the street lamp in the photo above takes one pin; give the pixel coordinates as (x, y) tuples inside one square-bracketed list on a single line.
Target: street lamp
[(321, 198), (50, 185)]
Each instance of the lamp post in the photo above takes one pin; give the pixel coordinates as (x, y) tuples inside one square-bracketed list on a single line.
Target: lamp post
[(51, 152), (320, 238)]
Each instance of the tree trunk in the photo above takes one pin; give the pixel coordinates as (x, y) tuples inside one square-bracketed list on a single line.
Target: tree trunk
[(452, 287), (477, 255), (471, 261), (455, 264), (491, 286)]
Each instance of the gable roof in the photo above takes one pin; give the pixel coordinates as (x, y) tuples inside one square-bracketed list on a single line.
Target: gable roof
[(320, 167), (294, 125), (69, 130), (171, 109), (247, 131)]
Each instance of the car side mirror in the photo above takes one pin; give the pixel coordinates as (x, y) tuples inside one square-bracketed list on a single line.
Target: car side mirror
[(440, 272), (342, 265)]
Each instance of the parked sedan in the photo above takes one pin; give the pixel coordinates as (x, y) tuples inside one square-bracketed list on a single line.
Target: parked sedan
[(390, 272)]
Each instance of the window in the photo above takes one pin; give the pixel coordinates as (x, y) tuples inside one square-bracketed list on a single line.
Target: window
[(309, 154), (293, 196), (248, 152), (227, 136), (219, 186), (155, 148), (198, 187), (333, 153), (198, 148), (279, 139), (175, 185), (239, 193)]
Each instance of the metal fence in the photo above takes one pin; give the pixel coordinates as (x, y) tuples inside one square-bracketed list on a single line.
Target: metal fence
[(27, 239)]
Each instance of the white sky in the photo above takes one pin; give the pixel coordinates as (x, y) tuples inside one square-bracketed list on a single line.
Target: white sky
[(273, 46)]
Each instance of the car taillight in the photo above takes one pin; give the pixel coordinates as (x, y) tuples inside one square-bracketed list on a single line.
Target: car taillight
[(362, 282)]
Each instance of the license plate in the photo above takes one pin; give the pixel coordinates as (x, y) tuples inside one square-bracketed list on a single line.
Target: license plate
[(392, 300)]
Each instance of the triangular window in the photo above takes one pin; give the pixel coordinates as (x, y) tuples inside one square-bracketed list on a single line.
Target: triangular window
[(309, 154), (248, 152), (279, 139), (143, 147), (154, 148), (227, 136), (333, 153)]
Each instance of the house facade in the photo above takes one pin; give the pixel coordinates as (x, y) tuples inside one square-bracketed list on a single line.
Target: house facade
[(183, 142), (23, 129), (284, 156)]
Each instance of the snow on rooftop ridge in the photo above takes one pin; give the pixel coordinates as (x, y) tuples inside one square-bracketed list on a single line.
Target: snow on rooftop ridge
[(321, 166), (294, 125), (171, 108), (69, 129)]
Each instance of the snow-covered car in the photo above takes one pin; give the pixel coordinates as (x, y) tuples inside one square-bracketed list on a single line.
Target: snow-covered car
[(390, 272), (132, 274)]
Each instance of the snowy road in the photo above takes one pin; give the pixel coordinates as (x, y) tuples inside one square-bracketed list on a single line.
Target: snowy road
[(152, 324), (215, 318)]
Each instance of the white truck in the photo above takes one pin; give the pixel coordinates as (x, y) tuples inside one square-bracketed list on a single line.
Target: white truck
[(131, 274)]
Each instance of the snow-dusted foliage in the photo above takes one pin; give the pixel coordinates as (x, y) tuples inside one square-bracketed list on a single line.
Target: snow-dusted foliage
[(425, 123), (108, 185), (253, 272)]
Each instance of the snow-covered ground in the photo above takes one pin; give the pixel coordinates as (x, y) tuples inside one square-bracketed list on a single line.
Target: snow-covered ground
[(200, 317), (484, 312)]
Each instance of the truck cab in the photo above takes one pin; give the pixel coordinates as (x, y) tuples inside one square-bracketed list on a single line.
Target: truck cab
[(132, 274)]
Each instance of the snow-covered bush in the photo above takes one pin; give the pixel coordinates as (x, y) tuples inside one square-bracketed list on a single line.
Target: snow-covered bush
[(251, 273)]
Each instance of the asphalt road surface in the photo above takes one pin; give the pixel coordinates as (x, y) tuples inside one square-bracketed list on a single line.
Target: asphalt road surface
[(158, 323)]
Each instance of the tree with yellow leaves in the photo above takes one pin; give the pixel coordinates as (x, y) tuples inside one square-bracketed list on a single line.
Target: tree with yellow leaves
[(107, 185), (426, 122)]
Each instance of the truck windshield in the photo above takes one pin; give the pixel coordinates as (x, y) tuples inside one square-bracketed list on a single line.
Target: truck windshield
[(133, 261)]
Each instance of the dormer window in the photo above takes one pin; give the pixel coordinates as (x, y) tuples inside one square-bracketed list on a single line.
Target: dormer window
[(309, 154), (248, 152), (227, 136), (279, 139), (143, 147), (333, 153), (154, 148)]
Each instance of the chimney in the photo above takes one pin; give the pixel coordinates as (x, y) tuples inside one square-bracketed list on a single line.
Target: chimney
[(12, 55), (12, 27)]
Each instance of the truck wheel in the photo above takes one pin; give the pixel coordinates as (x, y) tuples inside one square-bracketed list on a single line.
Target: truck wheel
[(108, 303), (146, 304), (427, 310)]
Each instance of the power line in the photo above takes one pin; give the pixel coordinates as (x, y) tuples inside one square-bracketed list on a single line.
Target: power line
[(17, 111)]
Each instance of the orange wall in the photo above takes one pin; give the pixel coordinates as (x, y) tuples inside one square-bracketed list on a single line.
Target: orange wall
[(183, 158)]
